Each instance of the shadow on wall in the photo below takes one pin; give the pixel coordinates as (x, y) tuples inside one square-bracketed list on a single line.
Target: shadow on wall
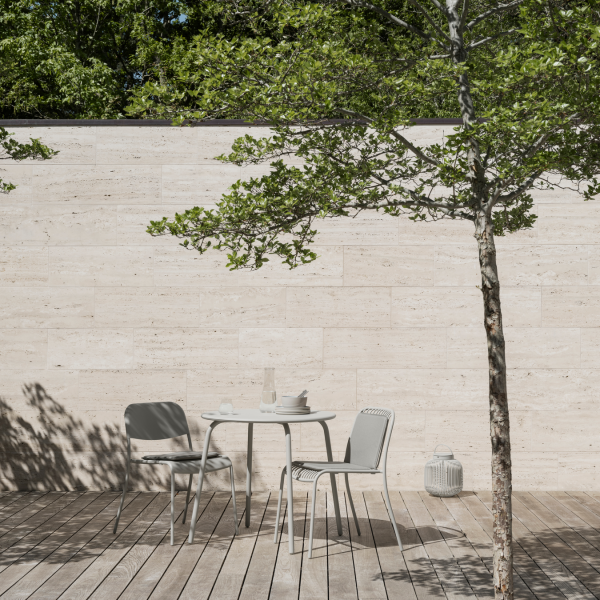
[(45, 447)]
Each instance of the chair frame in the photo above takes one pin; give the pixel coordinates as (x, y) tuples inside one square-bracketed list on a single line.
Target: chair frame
[(315, 475), (175, 467)]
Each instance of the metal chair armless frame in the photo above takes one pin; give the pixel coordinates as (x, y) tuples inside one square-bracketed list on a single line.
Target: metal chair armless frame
[(309, 475), (161, 421)]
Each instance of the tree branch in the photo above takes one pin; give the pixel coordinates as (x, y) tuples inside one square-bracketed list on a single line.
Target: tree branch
[(390, 17), (416, 151), (439, 6), (420, 8), (483, 41), (497, 9), (463, 15), (419, 201), (518, 192)]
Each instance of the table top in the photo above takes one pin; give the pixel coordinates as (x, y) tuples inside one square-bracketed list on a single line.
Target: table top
[(254, 415)]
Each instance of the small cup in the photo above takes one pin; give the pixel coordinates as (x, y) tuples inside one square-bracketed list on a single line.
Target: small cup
[(294, 401), (226, 408)]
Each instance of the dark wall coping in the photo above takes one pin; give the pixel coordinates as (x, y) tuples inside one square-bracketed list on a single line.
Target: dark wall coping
[(167, 123)]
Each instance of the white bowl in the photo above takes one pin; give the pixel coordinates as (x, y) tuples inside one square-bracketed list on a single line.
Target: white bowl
[(292, 401)]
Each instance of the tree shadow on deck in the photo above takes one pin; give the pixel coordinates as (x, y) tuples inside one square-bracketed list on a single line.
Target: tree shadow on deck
[(43, 446)]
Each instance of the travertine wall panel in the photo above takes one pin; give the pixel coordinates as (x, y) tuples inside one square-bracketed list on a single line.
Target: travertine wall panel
[(95, 314), (97, 266), (23, 266)]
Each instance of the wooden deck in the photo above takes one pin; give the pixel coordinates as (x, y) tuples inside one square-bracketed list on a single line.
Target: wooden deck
[(61, 545)]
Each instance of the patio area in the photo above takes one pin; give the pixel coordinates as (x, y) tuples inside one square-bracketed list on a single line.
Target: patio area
[(61, 545)]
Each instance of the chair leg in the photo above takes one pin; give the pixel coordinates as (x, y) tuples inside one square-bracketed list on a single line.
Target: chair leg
[(391, 512), (172, 508), (195, 510), (279, 503), (187, 498), (351, 503), (122, 499), (235, 518), (312, 518)]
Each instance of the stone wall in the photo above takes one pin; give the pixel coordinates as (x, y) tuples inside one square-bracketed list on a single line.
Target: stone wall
[(96, 314)]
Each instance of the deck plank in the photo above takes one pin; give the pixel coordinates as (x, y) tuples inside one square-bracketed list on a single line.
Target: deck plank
[(60, 545), (447, 568), (177, 573), (42, 580), (476, 522), (206, 570), (21, 558), (369, 578), (233, 572), (126, 559), (259, 575), (47, 516), (568, 526), (471, 563), (9, 498), (146, 569), (22, 544), (342, 578), (23, 500), (584, 521), (395, 565), (555, 553), (23, 514), (107, 556), (532, 552), (286, 577), (314, 582), (586, 500)]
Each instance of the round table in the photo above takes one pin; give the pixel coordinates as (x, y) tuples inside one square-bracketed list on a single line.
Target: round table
[(252, 416)]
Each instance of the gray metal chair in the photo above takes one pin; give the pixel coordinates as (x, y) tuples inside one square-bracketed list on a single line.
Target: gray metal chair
[(367, 447), (162, 421)]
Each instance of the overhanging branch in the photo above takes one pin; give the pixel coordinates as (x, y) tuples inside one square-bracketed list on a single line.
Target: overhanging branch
[(493, 11), (416, 151), (389, 17), (483, 41), (421, 9), (501, 199)]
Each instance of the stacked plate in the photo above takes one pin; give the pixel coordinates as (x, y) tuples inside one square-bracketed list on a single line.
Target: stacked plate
[(292, 410)]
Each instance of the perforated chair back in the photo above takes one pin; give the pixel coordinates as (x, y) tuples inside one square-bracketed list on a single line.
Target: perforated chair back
[(368, 437), (155, 421)]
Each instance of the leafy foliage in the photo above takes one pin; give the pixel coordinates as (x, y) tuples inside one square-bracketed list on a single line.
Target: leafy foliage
[(523, 76), (81, 58)]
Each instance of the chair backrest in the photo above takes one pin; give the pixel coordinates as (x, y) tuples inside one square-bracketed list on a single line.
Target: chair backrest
[(370, 437), (155, 421)]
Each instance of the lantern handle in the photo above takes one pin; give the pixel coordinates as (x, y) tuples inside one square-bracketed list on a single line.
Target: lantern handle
[(442, 445)]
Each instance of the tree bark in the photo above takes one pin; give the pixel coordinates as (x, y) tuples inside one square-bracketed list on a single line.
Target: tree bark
[(499, 421)]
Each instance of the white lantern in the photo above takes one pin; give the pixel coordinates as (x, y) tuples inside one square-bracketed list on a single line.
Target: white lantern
[(443, 474)]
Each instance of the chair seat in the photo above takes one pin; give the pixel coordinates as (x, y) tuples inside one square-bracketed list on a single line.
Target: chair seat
[(190, 467), (309, 470)]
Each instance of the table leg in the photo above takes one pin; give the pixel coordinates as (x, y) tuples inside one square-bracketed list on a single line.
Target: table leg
[(290, 487), (201, 480), (336, 504), (249, 474)]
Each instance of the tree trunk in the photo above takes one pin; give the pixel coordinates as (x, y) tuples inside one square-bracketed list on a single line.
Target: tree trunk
[(499, 423)]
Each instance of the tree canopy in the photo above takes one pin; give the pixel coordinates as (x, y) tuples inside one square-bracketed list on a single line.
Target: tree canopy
[(77, 59), (532, 118)]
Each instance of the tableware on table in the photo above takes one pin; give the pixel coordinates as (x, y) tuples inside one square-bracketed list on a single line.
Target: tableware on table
[(269, 395), (291, 401), (226, 408), (292, 410), (303, 394)]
